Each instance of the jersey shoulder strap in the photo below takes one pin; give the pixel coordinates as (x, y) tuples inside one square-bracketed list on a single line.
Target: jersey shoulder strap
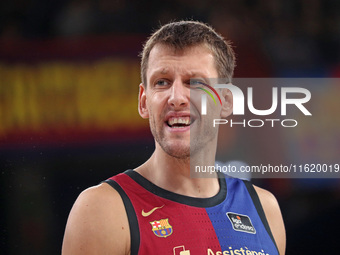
[(256, 200), (131, 214)]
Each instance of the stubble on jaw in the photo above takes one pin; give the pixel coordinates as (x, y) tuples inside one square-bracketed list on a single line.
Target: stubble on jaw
[(182, 153), (186, 151)]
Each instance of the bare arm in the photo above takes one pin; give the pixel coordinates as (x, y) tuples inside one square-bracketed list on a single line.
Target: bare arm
[(97, 224), (274, 217)]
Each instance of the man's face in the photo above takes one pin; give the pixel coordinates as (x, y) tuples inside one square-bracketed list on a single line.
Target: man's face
[(166, 101)]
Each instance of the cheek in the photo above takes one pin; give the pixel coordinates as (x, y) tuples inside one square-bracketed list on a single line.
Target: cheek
[(212, 109), (156, 101), (154, 108), (195, 101)]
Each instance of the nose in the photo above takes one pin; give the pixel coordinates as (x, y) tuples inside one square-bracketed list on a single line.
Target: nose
[(179, 95)]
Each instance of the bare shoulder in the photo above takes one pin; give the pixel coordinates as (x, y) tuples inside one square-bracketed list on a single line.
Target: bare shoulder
[(274, 217), (97, 224)]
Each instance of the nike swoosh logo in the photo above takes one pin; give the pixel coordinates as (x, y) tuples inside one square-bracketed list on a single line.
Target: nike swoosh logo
[(146, 214)]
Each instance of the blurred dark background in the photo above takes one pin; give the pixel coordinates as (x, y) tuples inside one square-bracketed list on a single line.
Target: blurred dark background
[(69, 76)]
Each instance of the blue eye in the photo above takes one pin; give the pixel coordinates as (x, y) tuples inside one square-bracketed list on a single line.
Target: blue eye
[(196, 83), (162, 83)]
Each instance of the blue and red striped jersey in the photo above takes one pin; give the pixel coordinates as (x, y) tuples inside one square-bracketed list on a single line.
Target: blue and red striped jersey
[(162, 222)]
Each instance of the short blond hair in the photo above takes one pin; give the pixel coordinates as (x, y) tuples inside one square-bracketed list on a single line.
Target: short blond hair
[(183, 34)]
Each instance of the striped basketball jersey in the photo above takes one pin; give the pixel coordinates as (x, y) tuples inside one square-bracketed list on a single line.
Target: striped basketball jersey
[(162, 222)]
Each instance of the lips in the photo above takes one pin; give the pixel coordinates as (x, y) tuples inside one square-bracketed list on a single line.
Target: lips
[(178, 120)]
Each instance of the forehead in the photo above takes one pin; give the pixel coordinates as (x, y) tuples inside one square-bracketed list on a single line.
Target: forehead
[(164, 59)]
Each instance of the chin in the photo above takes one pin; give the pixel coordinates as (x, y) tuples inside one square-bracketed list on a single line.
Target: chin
[(177, 151)]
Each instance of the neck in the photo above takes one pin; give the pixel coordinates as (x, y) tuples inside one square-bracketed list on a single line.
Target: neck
[(173, 174)]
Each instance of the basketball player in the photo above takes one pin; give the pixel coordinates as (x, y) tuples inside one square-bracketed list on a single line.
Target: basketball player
[(157, 208)]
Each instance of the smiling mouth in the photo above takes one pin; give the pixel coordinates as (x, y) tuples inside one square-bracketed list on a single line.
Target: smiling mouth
[(178, 122)]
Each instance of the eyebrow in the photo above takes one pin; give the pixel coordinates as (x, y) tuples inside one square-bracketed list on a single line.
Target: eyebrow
[(164, 71), (193, 74), (160, 71)]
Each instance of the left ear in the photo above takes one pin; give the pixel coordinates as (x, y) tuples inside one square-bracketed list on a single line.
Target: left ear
[(227, 103), (142, 107)]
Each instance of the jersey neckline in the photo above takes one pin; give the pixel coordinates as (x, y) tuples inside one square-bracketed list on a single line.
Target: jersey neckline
[(191, 201)]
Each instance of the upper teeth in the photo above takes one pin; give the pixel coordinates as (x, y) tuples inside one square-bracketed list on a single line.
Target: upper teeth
[(179, 120)]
